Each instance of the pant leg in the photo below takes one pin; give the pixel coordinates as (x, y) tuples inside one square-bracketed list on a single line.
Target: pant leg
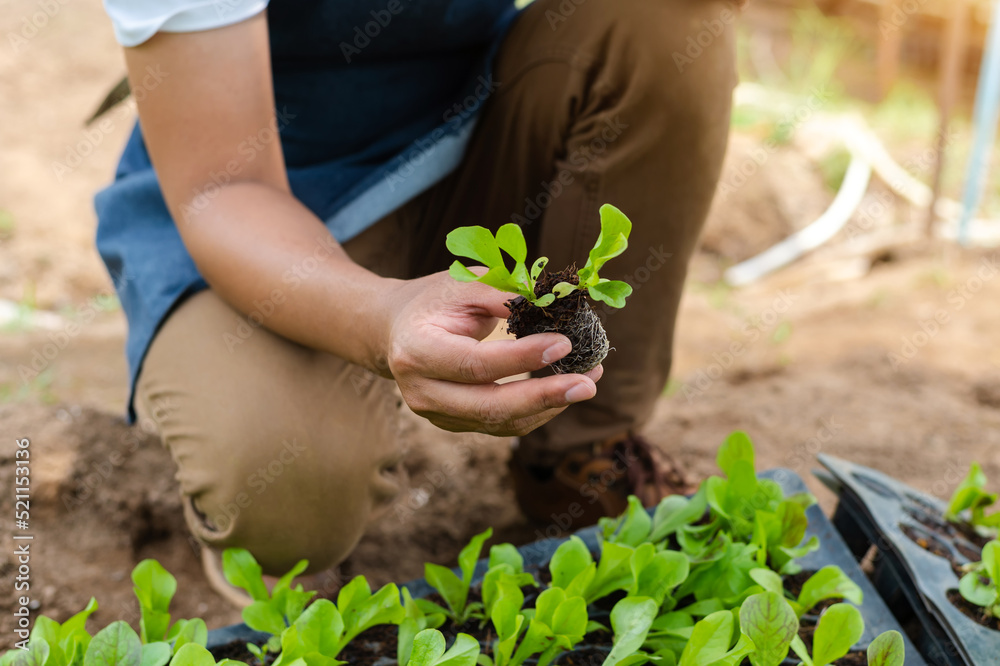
[(599, 102), (283, 450)]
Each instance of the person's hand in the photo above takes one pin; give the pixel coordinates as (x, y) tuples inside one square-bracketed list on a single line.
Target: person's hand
[(447, 373)]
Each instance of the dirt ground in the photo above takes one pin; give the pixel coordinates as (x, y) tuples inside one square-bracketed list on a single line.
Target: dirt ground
[(886, 357)]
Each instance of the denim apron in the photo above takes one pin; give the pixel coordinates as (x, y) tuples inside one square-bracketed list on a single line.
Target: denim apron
[(376, 100)]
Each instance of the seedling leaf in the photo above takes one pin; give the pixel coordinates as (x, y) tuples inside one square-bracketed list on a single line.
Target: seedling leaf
[(771, 624), (887, 649), (115, 645), (839, 628)]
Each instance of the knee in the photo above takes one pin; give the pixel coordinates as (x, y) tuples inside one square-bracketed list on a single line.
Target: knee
[(281, 502)]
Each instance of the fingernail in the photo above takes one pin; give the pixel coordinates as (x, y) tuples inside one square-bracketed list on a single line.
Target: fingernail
[(556, 351), (579, 393)]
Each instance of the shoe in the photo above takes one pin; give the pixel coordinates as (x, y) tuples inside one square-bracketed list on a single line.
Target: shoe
[(595, 481)]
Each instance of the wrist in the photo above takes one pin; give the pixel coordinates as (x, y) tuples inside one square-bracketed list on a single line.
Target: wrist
[(383, 308)]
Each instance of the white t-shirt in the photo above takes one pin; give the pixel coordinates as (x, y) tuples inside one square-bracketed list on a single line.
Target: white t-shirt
[(135, 21)]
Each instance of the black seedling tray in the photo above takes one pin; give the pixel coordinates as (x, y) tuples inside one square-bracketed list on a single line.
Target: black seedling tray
[(875, 509), (833, 550)]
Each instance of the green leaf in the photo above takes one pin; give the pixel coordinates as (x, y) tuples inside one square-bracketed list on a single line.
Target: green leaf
[(839, 628), (634, 525), (428, 650), (155, 654), (737, 447), (115, 645), (709, 641), (475, 243), (631, 619), (612, 292), (79, 621), (830, 582), (563, 289), (241, 569), (469, 555), (974, 590), (154, 588), (991, 561), (506, 553), (614, 571), (675, 511), (192, 654), (538, 267), (451, 588), (459, 272), (545, 301), (970, 493), (771, 624), (571, 558), (510, 238), (263, 616), (193, 631), (36, 655), (612, 241), (887, 649), (769, 580)]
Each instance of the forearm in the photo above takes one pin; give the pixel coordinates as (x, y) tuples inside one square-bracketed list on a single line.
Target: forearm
[(254, 243)]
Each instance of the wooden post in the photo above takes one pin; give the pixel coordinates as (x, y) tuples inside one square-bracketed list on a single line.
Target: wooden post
[(952, 62), (890, 45)]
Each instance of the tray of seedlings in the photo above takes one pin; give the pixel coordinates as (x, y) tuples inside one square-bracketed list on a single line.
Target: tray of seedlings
[(936, 562), (745, 571)]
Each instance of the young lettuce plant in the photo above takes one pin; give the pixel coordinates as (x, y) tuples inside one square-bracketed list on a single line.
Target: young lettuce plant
[(830, 582), (971, 496), (325, 628), (455, 590), (770, 623), (271, 612), (713, 641), (887, 649), (631, 620), (62, 644), (839, 628), (549, 301), (155, 587), (429, 650), (981, 583), (573, 569), (415, 621)]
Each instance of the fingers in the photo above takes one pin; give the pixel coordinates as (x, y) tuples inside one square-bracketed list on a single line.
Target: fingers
[(457, 358), (500, 409)]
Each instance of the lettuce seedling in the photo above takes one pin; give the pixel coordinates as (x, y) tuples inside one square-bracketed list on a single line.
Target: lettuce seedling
[(779, 533), (271, 612), (981, 583), (62, 644), (195, 655), (573, 569), (655, 574), (631, 620), (558, 622), (455, 590), (506, 566), (479, 244), (830, 582), (547, 301), (971, 496), (154, 587), (716, 640), (839, 628), (429, 650), (325, 628), (415, 621), (887, 649), (771, 624), (736, 499)]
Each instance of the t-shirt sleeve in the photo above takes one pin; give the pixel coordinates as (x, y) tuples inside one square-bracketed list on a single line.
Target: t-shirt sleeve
[(135, 21)]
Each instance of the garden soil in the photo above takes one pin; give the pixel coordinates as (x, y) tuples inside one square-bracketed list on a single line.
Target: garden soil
[(893, 364)]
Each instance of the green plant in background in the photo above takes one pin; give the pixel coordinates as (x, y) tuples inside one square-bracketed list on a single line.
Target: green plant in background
[(981, 583), (429, 650), (455, 590), (820, 44), (479, 244), (700, 582), (7, 225), (971, 496)]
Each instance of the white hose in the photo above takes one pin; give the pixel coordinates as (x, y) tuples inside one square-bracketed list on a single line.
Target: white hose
[(851, 193)]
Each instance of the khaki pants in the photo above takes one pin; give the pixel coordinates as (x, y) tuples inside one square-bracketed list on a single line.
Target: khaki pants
[(289, 452)]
